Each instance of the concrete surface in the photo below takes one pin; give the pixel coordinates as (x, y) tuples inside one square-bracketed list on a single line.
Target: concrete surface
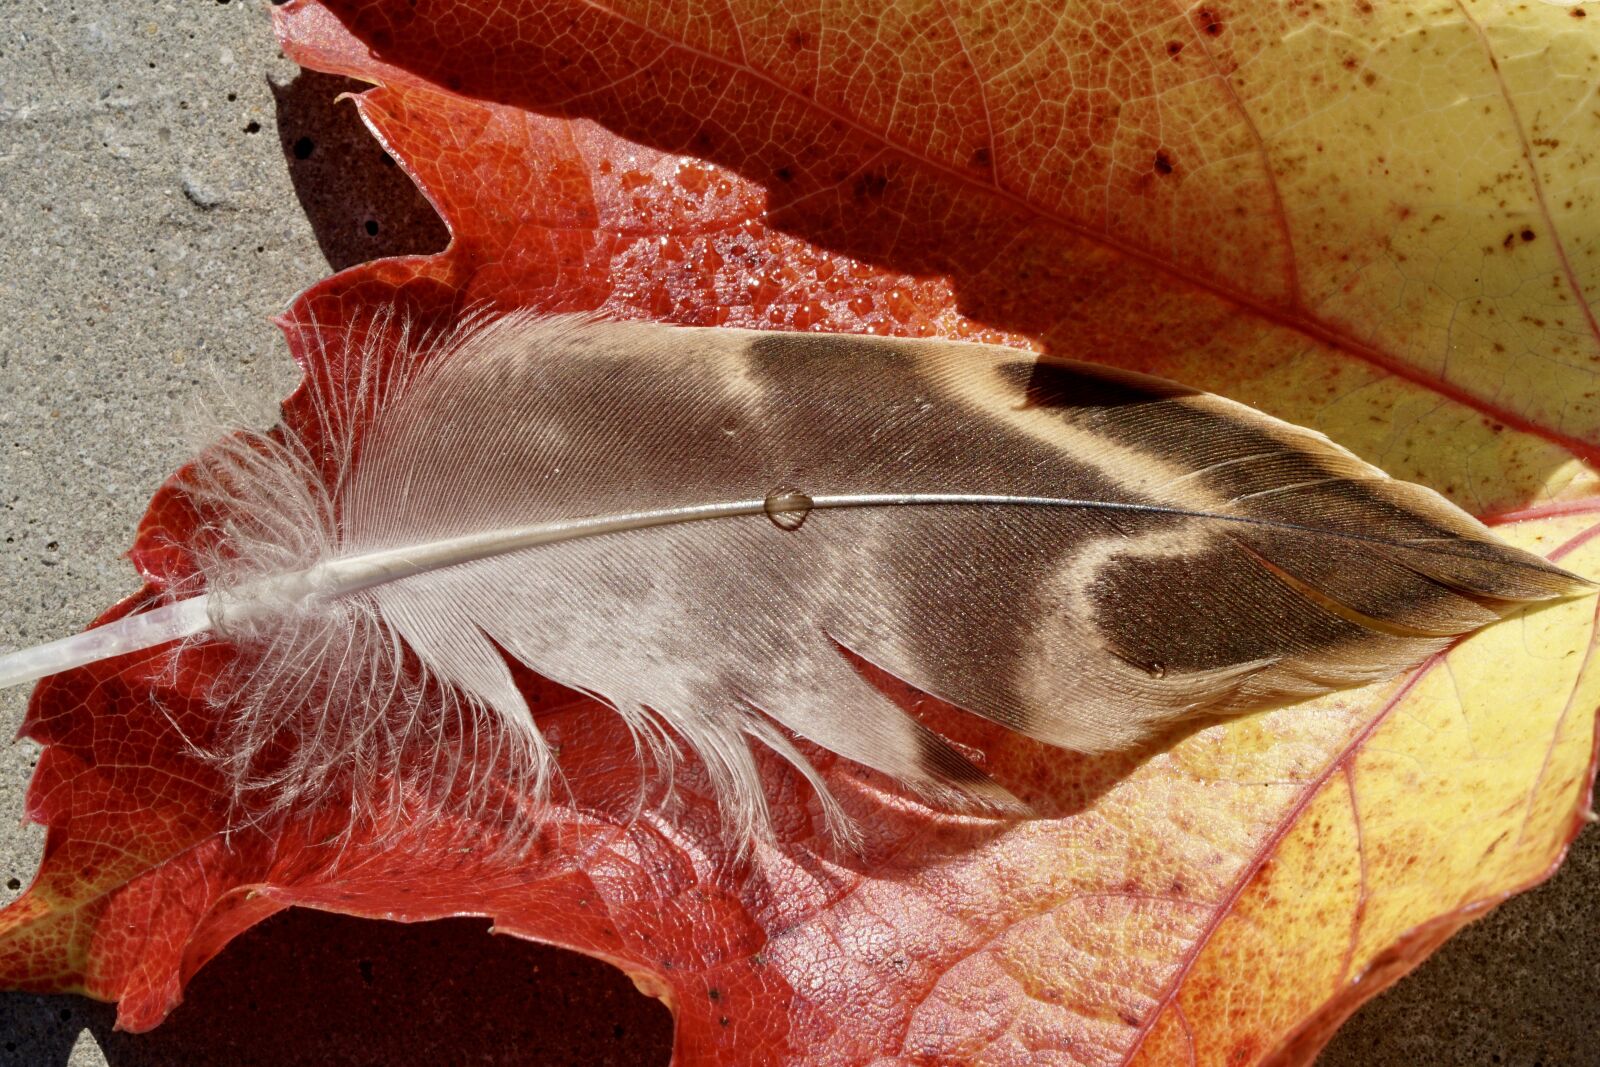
[(165, 185)]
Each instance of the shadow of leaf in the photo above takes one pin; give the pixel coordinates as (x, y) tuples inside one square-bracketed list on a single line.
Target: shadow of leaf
[(311, 988), (360, 203)]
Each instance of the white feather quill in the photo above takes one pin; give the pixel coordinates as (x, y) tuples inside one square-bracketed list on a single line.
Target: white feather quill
[(688, 523)]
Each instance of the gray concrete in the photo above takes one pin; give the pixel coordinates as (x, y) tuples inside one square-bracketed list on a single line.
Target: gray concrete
[(156, 209)]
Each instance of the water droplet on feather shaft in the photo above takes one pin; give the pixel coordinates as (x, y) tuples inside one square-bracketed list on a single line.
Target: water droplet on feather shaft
[(787, 508)]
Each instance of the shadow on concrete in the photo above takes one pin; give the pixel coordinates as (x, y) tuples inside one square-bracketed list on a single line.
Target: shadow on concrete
[(359, 202), (308, 988), (40, 1031)]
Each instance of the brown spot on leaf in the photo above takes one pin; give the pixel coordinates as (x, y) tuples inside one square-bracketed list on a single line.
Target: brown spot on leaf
[(1163, 162), (870, 185), (1173, 48), (1210, 22), (1244, 1052)]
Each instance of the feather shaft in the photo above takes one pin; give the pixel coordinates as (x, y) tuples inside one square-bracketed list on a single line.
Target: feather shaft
[(344, 577), (132, 633)]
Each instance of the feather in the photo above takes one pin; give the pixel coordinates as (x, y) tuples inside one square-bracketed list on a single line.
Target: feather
[(690, 523)]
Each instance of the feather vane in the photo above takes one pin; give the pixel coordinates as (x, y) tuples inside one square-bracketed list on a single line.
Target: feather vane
[(689, 524)]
